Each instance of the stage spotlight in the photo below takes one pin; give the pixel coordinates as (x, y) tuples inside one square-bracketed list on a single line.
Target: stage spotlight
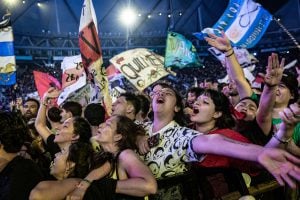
[(160, 14), (23, 2), (180, 13), (128, 16), (39, 4), (169, 15), (149, 16)]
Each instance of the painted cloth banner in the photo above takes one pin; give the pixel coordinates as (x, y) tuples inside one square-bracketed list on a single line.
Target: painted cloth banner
[(44, 81), (91, 52), (112, 71), (8, 78), (74, 77), (179, 51), (7, 55), (140, 66), (245, 59), (244, 23)]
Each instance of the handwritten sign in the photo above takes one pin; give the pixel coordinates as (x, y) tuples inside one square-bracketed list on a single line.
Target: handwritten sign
[(140, 66)]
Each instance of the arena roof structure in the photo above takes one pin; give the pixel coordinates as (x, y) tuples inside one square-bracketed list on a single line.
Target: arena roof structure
[(50, 27)]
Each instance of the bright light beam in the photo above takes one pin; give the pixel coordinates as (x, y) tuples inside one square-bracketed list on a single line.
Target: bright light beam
[(128, 17)]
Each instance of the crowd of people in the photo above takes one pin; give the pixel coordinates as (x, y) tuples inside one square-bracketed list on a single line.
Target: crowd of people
[(158, 145)]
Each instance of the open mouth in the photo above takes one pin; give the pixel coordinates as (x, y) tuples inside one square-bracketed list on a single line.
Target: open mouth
[(160, 100), (195, 111)]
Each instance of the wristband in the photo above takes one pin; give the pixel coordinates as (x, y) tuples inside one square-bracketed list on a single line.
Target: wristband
[(230, 54), (227, 50), (281, 140)]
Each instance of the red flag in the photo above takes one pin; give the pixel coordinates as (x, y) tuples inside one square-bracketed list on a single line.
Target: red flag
[(91, 53), (44, 81), (111, 71)]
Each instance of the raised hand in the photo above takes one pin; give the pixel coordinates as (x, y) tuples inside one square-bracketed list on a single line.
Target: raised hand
[(291, 115), (274, 70), (221, 43), (282, 165)]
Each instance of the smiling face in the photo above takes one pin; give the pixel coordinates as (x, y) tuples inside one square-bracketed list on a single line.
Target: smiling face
[(65, 133)]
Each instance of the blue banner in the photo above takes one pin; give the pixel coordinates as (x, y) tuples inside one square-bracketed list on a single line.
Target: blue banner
[(7, 55), (7, 49), (244, 23), (180, 52), (8, 78)]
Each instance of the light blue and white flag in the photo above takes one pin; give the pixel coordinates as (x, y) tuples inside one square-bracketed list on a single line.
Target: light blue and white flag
[(244, 23), (180, 52), (7, 56)]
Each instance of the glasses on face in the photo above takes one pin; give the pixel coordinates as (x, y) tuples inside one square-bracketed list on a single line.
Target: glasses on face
[(164, 92)]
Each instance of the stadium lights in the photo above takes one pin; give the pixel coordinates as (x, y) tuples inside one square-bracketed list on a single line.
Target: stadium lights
[(128, 16), (10, 2)]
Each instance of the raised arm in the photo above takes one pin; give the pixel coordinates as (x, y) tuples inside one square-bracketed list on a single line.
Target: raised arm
[(140, 181), (283, 137), (273, 77), (234, 70), (281, 164), (40, 122)]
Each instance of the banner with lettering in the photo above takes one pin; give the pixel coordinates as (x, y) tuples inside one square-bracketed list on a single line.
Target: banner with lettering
[(140, 66), (244, 23), (180, 52), (73, 78), (91, 53), (7, 55)]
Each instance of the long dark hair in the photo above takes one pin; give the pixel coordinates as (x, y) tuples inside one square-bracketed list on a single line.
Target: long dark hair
[(81, 153), (82, 128)]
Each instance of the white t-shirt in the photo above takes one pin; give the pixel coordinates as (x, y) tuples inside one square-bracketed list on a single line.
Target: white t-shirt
[(173, 150)]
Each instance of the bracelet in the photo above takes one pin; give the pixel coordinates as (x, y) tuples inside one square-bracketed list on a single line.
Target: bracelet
[(281, 140), (227, 50), (87, 181), (230, 54)]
